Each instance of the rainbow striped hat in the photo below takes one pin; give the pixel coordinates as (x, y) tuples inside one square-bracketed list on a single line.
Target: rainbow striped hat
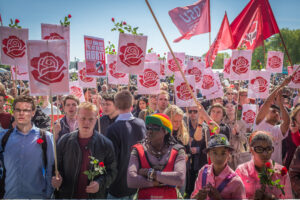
[(161, 120)]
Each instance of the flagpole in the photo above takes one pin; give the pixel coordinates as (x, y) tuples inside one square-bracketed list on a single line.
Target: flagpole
[(170, 49), (286, 51)]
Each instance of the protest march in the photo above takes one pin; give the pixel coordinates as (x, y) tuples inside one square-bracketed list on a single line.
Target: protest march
[(128, 122)]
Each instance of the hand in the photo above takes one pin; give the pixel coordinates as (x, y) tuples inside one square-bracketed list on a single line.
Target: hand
[(202, 194), (235, 129), (56, 181), (57, 127), (93, 187), (143, 172), (212, 125), (279, 98), (214, 193), (194, 150)]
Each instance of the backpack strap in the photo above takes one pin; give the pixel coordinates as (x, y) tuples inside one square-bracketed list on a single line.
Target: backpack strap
[(44, 146), (204, 177), (5, 139), (225, 182)]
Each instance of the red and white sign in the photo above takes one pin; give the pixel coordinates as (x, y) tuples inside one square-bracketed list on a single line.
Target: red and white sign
[(20, 75), (195, 68), (131, 53), (183, 96), (219, 92), (151, 57), (115, 77), (76, 90), (171, 64), (13, 46), (94, 56), (48, 67), (259, 84), (295, 83), (240, 64), (56, 32), (149, 82), (226, 71), (84, 81), (249, 113), (275, 61), (162, 68), (208, 83)]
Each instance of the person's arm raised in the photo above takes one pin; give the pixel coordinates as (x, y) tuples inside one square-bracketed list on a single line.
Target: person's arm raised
[(285, 116)]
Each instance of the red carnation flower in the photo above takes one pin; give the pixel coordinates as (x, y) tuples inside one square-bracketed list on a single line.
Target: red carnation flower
[(101, 164), (158, 55), (40, 141), (17, 21), (69, 16), (6, 97), (113, 19), (124, 23), (283, 171), (114, 50), (268, 165)]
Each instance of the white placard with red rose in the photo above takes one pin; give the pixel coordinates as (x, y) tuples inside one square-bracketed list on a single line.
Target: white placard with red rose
[(131, 53), (290, 70), (275, 61), (84, 81), (23, 76), (13, 46), (226, 71), (48, 67), (151, 57), (115, 77), (240, 64), (171, 64), (219, 92), (249, 113), (183, 96), (56, 32), (295, 83), (94, 56), (259, 82), (149, 82), (208, 84), (76, 90), (196, 69), (162, 74)]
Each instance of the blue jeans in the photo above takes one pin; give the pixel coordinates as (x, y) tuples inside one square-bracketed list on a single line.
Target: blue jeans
[(109, 196)]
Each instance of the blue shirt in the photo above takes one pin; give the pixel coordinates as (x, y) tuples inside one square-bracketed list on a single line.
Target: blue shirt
[(125, 116), (26, 176)]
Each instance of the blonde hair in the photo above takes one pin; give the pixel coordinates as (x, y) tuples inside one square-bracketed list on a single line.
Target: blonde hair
[(183, 134), (88, 106)]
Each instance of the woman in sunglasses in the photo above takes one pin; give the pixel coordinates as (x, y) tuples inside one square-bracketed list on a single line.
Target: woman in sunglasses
[(157, 164), (261, 148)]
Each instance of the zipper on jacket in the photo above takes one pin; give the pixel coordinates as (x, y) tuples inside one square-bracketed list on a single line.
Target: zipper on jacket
[(76, 172)]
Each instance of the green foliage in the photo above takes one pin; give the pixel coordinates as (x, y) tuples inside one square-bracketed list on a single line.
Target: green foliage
[(95, 170), (150, 50), (110, 49), (123, 27), (14, 24), (66, 21)]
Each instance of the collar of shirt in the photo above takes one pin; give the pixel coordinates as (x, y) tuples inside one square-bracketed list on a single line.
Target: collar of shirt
[(33, 129), (125, 116)]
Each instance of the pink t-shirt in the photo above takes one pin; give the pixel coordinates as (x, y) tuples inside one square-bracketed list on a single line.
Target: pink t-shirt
[(233, 190), (250, 179)]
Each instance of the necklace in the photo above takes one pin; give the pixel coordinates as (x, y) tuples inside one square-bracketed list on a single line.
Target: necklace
[(157, 154)]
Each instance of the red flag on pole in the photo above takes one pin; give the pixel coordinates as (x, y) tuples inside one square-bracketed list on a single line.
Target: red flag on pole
[(191, 20), (223, 41), (1, 20), (254, 24)]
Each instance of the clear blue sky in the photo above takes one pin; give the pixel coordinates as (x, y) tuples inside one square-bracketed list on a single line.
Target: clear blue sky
[(93, 18)]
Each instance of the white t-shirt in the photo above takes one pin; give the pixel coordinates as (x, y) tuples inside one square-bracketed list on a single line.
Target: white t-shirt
[(47, 110), (277, 139)]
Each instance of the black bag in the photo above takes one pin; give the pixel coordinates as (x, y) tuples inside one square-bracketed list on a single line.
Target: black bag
[(2, 167)]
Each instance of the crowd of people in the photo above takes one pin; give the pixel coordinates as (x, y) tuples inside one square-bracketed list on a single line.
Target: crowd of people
[(119, 144)]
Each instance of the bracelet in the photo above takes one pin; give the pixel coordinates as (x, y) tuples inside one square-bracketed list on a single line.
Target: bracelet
[(200, 125), (150, 171)]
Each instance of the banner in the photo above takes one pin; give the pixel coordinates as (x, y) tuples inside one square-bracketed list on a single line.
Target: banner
[(249, 113), (13, 47), (162, 74), (240, 64), (76, 90), (94, 56), (259, 83), (208, 83), (226, 71), (84, 81), (48, 67), (131, 53), (275, 61), (196, 69), (182, 93), (56, 32), (149, 82), (151, 57), (22, 76), (113, 76), (171, 64), (295, 83), (219, 92)]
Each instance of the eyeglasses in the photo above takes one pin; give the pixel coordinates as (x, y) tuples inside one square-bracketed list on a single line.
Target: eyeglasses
[(153, 128), (259, 149), (26, 111), (193, 111)]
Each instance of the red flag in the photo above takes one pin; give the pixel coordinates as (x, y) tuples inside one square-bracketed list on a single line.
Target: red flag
[(223, 41), (254, 24), (191, 20), (1, 20)]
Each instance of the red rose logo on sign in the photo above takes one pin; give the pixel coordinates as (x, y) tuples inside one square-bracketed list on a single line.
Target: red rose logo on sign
[(208, 82), (262, 83), (131, 54), (48, 68), (82, 75), (183, 92), (14, 47), (296, 77), (227, 67), (274, 62), (53, 36), (112, 71), (240, 65), (173, 66), (162, 69), (149, 79), (195, 71), (76, 91), (249, 116)]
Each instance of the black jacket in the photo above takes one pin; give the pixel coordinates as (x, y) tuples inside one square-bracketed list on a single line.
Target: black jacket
[(69, 158)]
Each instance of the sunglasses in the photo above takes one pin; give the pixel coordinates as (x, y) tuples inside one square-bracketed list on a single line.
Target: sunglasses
[(153, 128), (193, 111), (259, 149)]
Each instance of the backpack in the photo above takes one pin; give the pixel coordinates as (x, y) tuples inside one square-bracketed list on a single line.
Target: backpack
[(2, 167)]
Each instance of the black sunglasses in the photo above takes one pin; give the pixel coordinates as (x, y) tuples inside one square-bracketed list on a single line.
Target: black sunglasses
[(193, 111), (153, 128), (259, 149)]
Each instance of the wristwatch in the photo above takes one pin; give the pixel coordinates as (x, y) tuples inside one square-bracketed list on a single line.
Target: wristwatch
[(199, 125)]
